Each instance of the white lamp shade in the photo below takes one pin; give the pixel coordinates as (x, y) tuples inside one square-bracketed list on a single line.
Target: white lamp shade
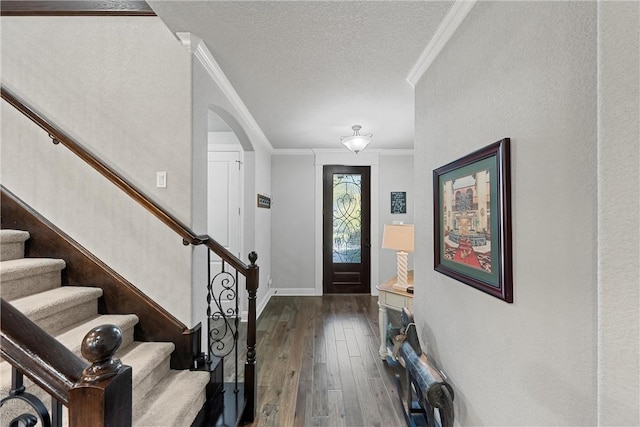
[(398, 237), (356, 143)]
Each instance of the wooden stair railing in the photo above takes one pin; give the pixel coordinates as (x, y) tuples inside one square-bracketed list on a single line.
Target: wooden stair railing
[(75, 8), (250, 272), (92, 400)]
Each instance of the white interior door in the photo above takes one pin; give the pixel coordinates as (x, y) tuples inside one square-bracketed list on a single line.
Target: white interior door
[(223, 221)]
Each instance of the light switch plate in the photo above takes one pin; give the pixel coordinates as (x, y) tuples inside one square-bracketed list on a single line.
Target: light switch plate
[(161, 179)]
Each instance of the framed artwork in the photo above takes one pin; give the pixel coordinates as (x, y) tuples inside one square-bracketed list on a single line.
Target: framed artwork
[(398, 202), (472, 220)]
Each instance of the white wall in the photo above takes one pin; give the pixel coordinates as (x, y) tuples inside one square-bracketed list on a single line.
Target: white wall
[(618, 218), (524, 70), (396, 174), (296, 196), (292, 222), (263, 232), (121, 87)]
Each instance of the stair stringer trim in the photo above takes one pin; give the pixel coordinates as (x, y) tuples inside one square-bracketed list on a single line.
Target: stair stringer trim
[(119, 295)]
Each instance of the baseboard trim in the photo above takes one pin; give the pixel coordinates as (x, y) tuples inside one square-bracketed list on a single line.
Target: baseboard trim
[(295, 292)]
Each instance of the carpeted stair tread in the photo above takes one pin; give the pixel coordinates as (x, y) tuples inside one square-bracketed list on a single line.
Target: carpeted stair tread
[(13, 236), (178, 397), (72, 337), (61, 307), (26, 276), (12, 244), (27, 267), (143, 357), (150, 363)]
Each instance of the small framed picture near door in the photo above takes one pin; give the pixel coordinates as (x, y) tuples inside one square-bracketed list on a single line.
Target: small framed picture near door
[(398, 202)]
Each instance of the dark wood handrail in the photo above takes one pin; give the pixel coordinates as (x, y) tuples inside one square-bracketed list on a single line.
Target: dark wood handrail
[(42, 358), (59, 137), (75, 8), (250, 272)]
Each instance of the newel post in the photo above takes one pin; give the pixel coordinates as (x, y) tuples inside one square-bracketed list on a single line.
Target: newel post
[(103, 395), (250, 366)]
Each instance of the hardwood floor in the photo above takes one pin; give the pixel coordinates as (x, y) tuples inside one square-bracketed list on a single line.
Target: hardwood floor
[(318, 364)]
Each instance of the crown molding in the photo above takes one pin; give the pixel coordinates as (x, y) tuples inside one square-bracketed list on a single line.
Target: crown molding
[(293, 152), (198, 48), (188, 40), (447, 28)]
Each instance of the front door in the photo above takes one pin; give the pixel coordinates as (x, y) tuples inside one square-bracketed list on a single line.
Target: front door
[(346, 229)]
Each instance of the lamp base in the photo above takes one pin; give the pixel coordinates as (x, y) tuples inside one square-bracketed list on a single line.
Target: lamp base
[(402, 282)]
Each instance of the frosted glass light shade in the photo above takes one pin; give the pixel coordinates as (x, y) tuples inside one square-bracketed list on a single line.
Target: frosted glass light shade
[(356, 142)]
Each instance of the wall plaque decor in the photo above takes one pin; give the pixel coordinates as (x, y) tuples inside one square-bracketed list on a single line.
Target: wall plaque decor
[(472, 220), (398, 202), (264, 201)]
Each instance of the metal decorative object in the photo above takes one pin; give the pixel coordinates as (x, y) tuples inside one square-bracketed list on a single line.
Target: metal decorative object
[(425, 387), (18, 392), (222, 322)]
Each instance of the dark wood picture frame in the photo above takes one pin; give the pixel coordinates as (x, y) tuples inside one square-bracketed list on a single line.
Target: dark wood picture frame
[(472, 220)]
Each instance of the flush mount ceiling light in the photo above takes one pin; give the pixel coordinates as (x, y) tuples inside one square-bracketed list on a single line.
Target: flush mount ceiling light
[(356, 142)]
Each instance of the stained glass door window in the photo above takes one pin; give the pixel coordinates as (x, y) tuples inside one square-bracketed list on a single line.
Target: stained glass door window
[(347, 218)]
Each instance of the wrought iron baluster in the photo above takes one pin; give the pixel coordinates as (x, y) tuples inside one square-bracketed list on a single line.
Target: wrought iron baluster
[(235, 344), (209, 294), (24, 420), (220, 327), (56, 412), (18, 392)]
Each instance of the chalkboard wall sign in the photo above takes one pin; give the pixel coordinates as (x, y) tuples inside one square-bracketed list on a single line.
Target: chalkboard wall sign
[(264, 201), (398, 202)]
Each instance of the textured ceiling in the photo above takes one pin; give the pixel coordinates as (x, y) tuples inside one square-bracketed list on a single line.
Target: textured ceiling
[(309, 70)]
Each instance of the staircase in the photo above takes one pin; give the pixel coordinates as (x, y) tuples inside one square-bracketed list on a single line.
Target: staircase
[(50, 354), (161, 396)]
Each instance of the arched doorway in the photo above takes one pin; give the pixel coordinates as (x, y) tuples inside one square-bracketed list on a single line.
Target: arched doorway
[(225, 187)]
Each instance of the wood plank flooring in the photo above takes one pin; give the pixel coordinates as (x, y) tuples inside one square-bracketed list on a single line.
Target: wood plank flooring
[(318, 364)]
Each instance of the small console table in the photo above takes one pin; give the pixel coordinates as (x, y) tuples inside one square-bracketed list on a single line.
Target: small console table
[(394, 299)]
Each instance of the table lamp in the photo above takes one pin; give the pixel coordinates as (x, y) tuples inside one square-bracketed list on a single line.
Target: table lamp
[(400, 238)]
